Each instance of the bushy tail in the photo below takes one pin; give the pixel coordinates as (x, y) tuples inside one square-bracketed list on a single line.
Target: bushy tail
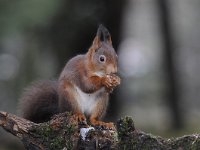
[(40, 101)]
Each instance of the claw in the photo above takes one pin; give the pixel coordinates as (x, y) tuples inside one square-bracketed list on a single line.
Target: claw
[(81, 118)]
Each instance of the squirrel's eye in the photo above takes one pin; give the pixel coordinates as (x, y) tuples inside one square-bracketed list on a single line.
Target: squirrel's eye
[(102, 58)]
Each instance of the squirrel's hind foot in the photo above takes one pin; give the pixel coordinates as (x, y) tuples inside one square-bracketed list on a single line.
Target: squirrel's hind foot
[(102, 125), (81, 118)]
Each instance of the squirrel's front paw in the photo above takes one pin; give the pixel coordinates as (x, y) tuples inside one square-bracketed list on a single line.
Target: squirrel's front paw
[(115, 80), (111, 81)]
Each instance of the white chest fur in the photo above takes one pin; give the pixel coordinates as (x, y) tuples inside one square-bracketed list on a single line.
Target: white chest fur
[(87, 102)]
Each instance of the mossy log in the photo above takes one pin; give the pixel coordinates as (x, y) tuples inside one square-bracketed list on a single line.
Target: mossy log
[(63, 132)]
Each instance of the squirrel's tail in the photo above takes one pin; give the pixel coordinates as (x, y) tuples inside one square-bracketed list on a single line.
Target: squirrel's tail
[(39, 102)]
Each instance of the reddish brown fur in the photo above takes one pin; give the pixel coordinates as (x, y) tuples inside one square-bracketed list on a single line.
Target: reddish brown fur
[(80, 72)]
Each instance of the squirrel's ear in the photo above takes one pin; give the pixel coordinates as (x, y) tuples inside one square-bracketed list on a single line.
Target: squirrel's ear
[(96, 43), (104, 35)]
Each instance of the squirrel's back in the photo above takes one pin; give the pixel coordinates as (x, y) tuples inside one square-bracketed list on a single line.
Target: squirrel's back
[(40, 101), (73, 68)]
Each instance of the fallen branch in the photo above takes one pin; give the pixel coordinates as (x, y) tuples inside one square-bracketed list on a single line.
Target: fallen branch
[(64, 132)]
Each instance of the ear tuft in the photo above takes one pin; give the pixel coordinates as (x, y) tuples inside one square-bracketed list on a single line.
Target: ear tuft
[(104, 34)]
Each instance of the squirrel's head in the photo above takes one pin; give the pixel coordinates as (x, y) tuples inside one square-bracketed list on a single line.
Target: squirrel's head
[(102, 56)]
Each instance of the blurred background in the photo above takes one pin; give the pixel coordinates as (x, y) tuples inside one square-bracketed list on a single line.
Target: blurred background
[(157, 42)]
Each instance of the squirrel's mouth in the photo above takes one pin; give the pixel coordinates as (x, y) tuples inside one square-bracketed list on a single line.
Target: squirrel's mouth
[(110, 69), (100, 73)]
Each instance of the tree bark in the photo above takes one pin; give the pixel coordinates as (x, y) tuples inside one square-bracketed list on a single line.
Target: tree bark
[(63, 132), (170, 65)]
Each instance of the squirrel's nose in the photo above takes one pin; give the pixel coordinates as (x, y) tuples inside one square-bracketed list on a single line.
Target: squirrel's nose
[(111, 69)]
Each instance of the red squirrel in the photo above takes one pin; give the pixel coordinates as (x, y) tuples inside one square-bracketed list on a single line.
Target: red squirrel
[(83, 86)]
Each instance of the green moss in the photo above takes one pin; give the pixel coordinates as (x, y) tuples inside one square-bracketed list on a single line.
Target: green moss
[(125, 126), (68, 113), (57, 143), (55, 138), (186, 142), (115, 136), (196, 144), (51, 138), (132, 139), (44, 130), (69, 132)]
